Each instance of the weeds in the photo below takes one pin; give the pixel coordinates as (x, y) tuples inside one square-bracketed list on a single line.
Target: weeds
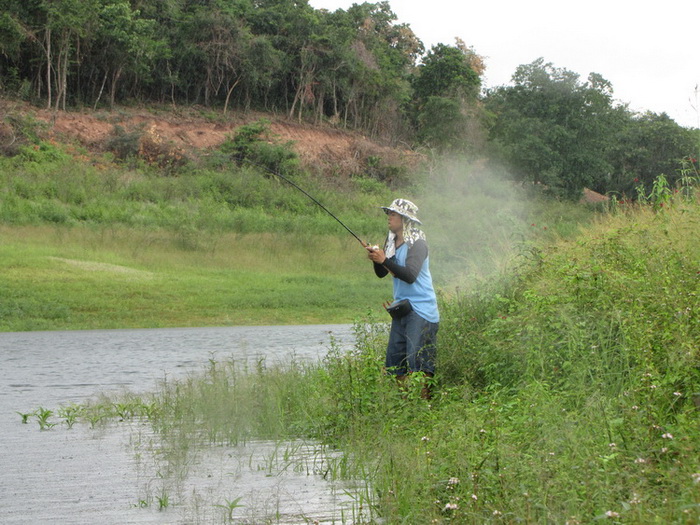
[(230, 506)]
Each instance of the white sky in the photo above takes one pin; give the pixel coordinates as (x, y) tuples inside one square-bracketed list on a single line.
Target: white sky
[(649, 51)]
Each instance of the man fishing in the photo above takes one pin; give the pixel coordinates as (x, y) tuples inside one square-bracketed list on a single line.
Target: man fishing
[(415, 317)]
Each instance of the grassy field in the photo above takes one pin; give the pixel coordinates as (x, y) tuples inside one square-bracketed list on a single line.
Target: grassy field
[(567, 392), (568, 382), (57, 277)]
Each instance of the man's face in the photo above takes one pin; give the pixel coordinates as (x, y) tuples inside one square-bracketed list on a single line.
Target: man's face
[(395, 222)]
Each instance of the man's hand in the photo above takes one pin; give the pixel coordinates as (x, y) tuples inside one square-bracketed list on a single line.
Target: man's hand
[(375, 254)]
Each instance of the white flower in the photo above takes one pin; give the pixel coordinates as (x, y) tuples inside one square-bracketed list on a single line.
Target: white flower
[(677, 394), (612, 514), (451, 506), (667, 436), (497, 513), (696, 477), (424, 439), (474, 497), (613, 445), (640, 460), (453, 481)]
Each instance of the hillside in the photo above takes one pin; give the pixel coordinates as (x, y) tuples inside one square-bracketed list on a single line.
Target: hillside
[(193, 131)]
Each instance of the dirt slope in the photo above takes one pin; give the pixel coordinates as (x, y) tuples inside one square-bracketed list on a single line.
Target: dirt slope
[(323, 146)]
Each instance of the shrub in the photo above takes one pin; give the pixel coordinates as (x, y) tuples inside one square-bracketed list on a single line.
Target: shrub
[(253, 144)]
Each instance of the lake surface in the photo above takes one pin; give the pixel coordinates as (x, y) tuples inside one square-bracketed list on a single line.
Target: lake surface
[(112, 474)]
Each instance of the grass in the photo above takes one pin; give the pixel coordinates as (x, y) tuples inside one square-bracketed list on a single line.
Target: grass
[(87, 243), (81, 278), (568, 385), (567, 393)]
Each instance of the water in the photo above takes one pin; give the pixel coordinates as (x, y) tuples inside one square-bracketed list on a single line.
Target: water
[(113, 474)]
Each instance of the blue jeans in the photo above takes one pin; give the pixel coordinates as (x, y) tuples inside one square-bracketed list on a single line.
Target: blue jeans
[(412, 345)]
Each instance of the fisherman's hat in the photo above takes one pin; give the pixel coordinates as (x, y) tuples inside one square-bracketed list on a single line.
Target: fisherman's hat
[(404, 208)]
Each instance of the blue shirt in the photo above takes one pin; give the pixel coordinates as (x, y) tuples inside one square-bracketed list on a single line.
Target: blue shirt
[(420, 293)]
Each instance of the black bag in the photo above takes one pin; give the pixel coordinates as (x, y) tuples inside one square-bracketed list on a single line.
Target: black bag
[(399, 309)]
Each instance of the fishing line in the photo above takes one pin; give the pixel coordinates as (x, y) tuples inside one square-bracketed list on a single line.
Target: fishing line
[(292, 183)]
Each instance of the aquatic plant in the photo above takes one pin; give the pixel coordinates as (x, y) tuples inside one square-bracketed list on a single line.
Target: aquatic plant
[(42, 415), (230, 506)]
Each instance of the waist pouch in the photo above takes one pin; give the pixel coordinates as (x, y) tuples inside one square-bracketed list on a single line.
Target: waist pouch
[(399, 309)]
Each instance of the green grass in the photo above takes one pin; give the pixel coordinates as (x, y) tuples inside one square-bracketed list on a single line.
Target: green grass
[(567, 393), (80, 278), (87, 243), (568, 384)]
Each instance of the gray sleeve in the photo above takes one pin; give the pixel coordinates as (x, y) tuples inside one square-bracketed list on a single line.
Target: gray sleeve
[(417, 254)]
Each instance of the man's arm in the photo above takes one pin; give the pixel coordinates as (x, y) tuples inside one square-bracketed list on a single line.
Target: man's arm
[(414, 262), (380, 270)]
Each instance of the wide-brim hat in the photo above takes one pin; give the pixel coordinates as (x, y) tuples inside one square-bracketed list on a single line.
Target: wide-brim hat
[(404, 208)]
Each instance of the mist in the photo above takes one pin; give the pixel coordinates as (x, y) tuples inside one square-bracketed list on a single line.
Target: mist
[(476, 219)]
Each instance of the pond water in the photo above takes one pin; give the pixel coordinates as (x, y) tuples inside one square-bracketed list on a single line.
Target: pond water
[(112, 474)]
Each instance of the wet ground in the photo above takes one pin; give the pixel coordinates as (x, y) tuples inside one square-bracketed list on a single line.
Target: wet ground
[(113, 474)]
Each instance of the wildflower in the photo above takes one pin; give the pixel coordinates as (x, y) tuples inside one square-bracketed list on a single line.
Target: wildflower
[(612, 514), (635, 407), (451, 506), (425, 439), (482, 431), (677, 394), (696, 477), (652, 387), (613, 445), (453, 481), (664, 450), (640, 460), (474, 497), (635, 499), (497, 513), (667, 436)]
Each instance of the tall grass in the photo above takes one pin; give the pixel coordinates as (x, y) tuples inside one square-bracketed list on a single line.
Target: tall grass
[(568, 385), (569, 393), (46, 184)]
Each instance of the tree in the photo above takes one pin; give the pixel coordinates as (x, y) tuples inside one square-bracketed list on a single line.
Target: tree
[(125, 44), (447, 71), (554, 130), (446, 87), (649, 145)]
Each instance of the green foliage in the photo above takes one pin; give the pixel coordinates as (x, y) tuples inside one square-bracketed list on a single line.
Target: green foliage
[(124, 144), (445, 86), (446, 71), (649, 145), (442, 125), (251, 145), (554, 130), (568, 391)]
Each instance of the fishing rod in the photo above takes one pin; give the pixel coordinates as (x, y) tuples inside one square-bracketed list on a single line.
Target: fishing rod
[(292, 183)]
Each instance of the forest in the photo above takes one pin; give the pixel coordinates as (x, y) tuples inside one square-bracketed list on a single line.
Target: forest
[(356, 69)]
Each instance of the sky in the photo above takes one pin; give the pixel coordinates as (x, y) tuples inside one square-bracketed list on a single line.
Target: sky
[(648, 51)]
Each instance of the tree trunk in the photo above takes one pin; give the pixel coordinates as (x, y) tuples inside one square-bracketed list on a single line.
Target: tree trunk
[(113, 87), (228, 94), (49, 94)]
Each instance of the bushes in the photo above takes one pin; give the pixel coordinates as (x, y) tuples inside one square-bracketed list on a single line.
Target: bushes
[(253, 145)]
